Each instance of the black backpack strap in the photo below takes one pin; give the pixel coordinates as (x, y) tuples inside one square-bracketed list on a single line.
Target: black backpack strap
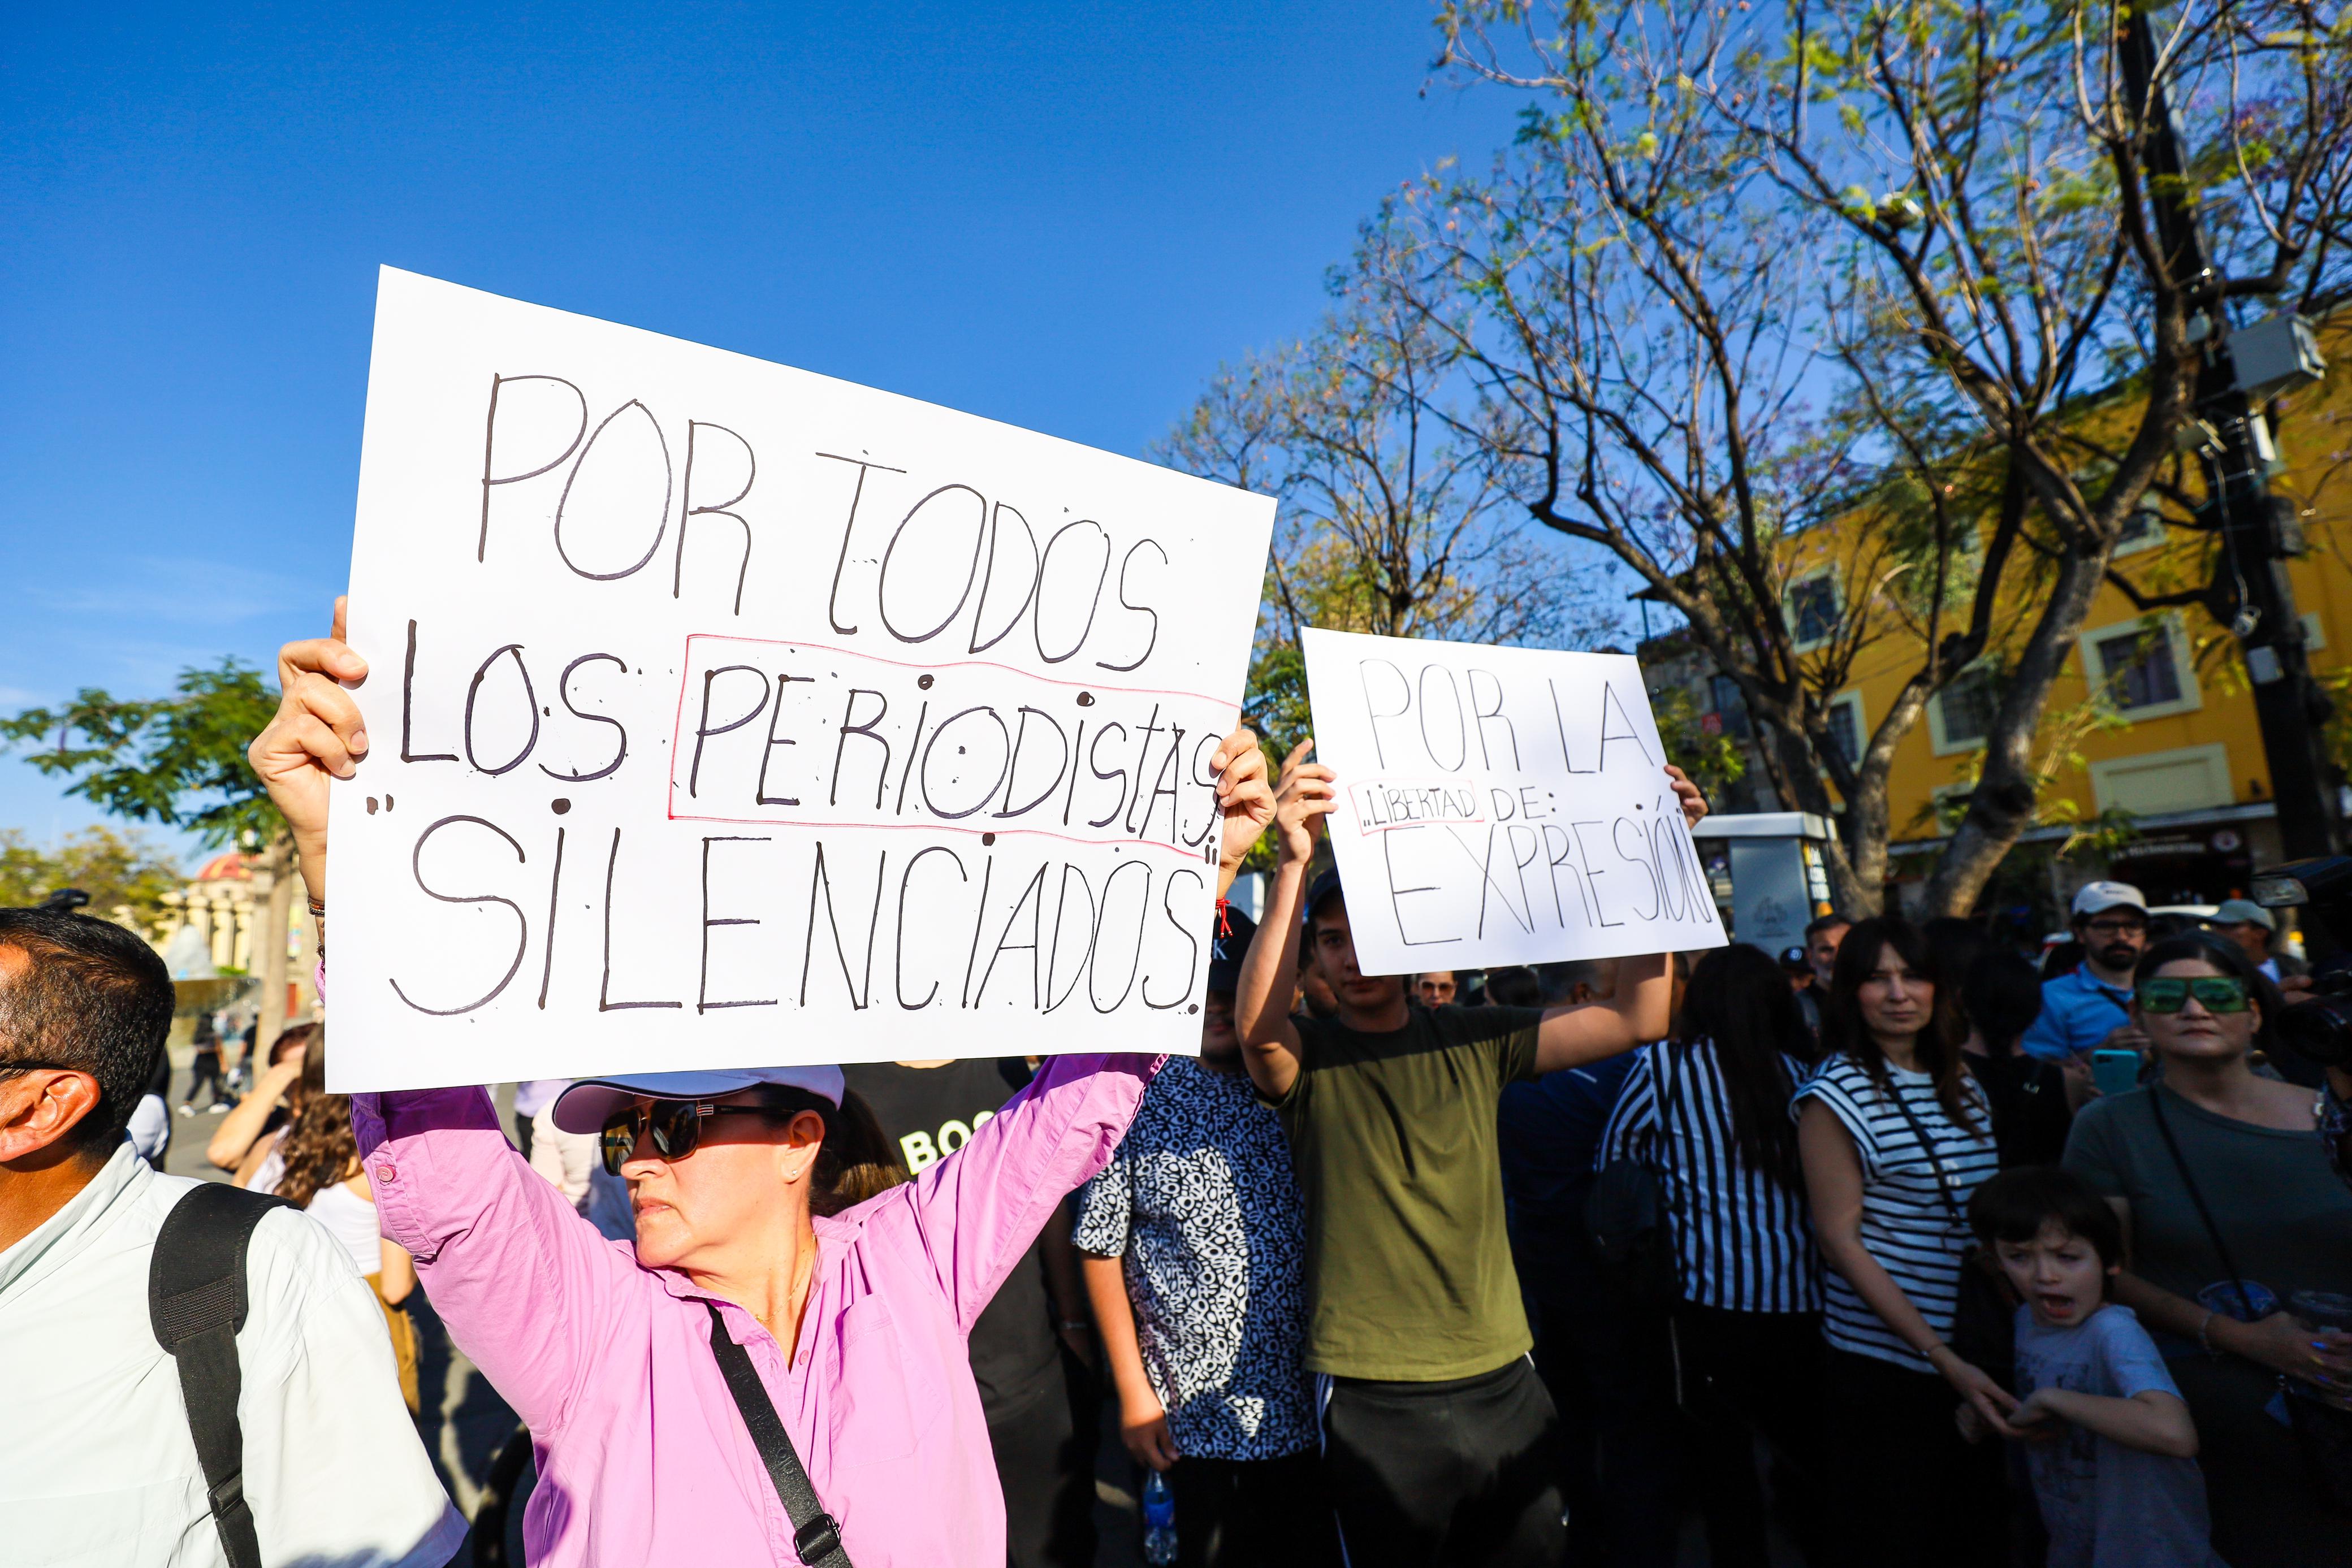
[(815, 1536), (196, 1303)]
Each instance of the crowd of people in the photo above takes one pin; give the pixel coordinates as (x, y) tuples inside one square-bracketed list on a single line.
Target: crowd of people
[(1891, 1249)]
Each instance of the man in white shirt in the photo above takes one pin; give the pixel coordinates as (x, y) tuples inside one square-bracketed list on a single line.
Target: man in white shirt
[(97, 1463)]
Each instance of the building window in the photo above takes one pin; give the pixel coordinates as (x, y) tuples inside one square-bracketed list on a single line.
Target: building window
[(1844, 717), (2143, 525), (1965, 709), (1730, 708), (1813, 611), (2136, 670)]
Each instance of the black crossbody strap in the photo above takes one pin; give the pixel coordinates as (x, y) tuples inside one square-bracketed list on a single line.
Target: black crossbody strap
[(815, 1536), (2197, 1197), (195, 1304), (1928, 1147)]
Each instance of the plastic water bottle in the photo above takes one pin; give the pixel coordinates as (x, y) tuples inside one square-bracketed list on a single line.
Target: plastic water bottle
[(1159, 1521)]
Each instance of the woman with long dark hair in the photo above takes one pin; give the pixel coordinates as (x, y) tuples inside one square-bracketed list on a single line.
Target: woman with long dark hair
[(1895, 1136), (314, 1164), (2229, 1211), (1708, 1112)]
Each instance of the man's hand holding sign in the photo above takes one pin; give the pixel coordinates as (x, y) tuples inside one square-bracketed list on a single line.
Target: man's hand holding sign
[(1501, 805), (1310, 794)]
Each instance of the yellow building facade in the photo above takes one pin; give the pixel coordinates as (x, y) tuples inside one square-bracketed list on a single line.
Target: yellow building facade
[(2172, 754)]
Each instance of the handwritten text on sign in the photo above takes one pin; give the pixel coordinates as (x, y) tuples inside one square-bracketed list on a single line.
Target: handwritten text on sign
[(725, 714), (1500, 806)]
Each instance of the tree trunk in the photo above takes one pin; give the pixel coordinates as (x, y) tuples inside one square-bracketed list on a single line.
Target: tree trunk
[(2002, 808), (1857, 877), (270, 940)]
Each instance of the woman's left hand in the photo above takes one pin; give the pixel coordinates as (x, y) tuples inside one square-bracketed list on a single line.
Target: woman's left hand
[(1993, 1404), (1687, 797)]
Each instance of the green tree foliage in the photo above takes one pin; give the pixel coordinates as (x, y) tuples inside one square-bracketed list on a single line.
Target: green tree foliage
[(1391, 521), (176, 760), (1714, 761), (118, 871)]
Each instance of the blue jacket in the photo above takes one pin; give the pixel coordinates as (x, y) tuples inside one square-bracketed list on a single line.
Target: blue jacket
[(2077, 1012)]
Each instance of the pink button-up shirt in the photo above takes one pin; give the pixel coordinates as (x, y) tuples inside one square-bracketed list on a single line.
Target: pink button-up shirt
[(643, 1456)]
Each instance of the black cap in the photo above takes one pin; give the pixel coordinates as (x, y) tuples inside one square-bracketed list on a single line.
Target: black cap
[(1324, 887), (1228, 940), (1794, 959)]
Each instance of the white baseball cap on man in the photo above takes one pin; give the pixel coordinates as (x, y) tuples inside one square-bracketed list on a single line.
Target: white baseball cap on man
[(583, 1107), (2095, 897)]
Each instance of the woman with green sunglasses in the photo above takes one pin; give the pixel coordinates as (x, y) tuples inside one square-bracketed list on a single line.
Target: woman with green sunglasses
[(2229, 1209)]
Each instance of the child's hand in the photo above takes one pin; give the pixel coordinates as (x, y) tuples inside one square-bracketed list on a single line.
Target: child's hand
[(1972, 1424), (2035, 1420)]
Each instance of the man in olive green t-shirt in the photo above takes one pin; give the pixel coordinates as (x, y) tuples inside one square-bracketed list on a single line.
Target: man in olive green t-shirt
[(1435, 1427)]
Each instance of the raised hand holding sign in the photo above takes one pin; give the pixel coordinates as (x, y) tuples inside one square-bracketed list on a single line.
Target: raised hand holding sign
[(722, 713), (1492, 805)]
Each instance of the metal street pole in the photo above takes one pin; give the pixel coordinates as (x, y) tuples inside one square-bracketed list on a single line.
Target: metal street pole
[(2259, 532)]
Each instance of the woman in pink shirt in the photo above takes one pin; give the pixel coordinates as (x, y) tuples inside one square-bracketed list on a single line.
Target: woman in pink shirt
[(854, 1322)]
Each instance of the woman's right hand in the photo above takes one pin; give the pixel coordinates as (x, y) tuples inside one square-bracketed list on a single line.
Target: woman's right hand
[(2322, 1357), (1143, 1427), (1993, 1404), (1302, 799), (316, 736)]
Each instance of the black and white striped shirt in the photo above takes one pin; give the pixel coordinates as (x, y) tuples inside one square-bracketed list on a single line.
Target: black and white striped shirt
[(1742, 1241), (1906, 1223)]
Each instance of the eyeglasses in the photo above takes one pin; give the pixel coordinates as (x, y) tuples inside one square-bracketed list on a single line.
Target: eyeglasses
[(2115, 927), (677, 1127), (2214, 993)]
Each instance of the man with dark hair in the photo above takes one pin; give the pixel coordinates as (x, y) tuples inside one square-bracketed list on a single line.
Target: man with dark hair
[(1438, 1440), (2090, 1007), (98, 1465), (1823, 938)]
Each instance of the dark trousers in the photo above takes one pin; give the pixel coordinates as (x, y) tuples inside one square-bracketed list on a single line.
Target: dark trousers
[(1252, 1514), (522, 1133), (1745, 1376), (1608, 1373), (1905, 1490), (1044, 1449), (206, 1074), (1464, 1473)]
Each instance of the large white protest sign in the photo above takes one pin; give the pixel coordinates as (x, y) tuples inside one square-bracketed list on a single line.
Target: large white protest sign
[(722, 713), (1500, 806)]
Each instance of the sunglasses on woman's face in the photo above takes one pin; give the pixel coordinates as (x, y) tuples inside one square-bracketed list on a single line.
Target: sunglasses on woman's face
[(676, 1127), (2215, 994)]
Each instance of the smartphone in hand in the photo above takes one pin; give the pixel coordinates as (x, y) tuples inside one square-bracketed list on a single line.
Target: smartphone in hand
[(2115, 1071)]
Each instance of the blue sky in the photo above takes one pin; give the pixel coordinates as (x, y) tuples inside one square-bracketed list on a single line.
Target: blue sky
[(1061, 215)]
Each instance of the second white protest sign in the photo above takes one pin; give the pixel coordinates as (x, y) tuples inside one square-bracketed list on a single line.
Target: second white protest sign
[(1500, 806), (727, 715)]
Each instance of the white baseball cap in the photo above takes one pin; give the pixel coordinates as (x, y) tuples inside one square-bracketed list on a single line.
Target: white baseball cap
[(2095, 897), (583, 1107)]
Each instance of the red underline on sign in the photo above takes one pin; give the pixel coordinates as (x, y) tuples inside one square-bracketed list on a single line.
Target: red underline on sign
[(678, 729)]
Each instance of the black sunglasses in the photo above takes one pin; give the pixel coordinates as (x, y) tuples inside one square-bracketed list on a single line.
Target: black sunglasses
[(676, 1128)]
